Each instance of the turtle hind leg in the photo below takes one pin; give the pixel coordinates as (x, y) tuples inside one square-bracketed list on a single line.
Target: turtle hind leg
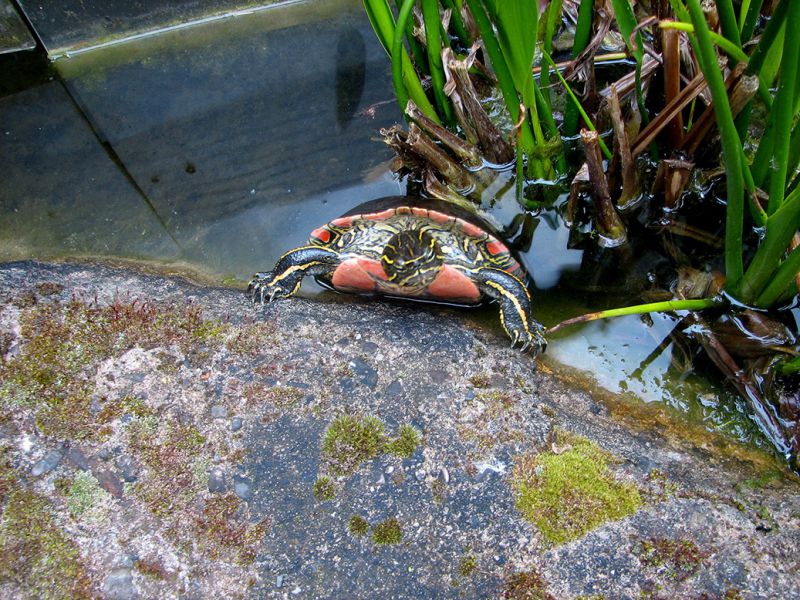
[(515, 307), (285, 279)]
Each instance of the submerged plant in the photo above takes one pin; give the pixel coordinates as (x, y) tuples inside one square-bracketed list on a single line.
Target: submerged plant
[(698, 74)]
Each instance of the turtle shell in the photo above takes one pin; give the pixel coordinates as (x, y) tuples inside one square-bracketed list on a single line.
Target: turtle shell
[(463, 243)]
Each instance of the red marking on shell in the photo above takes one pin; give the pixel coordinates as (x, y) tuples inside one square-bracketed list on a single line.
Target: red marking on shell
[(438, 217), (380, 216), (343, 221), (357, 275), (322, 234), (470, 229), (494, 248), (452, 284), (420, 212)]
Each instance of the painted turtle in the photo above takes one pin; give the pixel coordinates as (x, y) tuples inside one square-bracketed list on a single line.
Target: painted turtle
[(415, 249)]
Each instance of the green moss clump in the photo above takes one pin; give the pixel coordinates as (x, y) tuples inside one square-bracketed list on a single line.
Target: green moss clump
[(324, 489), (387, 532), (406, 442), (467, 565), (351, 440), (85, 498), (677, 559), (36, 554), (566, 495), (526, 585), (358, 526)]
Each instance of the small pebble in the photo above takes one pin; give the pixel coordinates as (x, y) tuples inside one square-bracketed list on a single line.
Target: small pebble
[(444, 475), (119, 585), (216, 481), (49, 462), (236, 423), (243, 490), (128, 467), (420, 474), (279, 581), (218, 411)]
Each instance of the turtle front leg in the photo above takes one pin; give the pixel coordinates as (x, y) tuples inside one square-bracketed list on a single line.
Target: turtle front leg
[(515, 307), (284, 280)]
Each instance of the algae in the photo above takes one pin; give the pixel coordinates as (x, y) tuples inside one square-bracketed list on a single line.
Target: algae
[(569, 493), (677, 559), (85, 498), (351, 440), (406, 443), (526, 585)]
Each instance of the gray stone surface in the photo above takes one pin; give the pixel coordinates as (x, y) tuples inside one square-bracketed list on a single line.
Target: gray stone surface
[(288, 369)]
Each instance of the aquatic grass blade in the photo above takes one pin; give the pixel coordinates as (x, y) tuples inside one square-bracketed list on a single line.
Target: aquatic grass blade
[(501, 69), (784, 108), (583, 34), (731, 146), (430, 15), (780, 281), (780, 228)]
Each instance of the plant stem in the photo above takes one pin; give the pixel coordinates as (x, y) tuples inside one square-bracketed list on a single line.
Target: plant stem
[(583, 33), (731, 146), (578, 106), (504, 79), (430, 14), (406, 82), (783, 108), (640, 309), (782, 279)]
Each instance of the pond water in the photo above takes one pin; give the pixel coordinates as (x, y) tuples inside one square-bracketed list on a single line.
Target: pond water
[(212, 149)]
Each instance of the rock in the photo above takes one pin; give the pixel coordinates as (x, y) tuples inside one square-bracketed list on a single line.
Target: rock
[(242, 490), (109, 482), (216, 481), (218, 411), (47, 463), (365, 374), (119, 585), (77, 458), (128, 467), (394, 389), (236, 423)]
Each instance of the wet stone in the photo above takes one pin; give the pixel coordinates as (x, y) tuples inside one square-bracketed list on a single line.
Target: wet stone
[(216, 481), (365, 374), (243, 490), (218, 411), (236, 423), (119, 585), (128, 467), (438, 376), (394, 389), (47, 463), (77, 458)]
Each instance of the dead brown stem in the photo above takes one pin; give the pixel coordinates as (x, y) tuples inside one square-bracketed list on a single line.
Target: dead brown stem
[(671, 179), (630, 177), (608, 222), (671, 57), (494, 146), (469, 154), (452, 172)]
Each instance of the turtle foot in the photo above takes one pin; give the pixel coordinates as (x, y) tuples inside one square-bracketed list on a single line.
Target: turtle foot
[(528, 340), (262, 289)]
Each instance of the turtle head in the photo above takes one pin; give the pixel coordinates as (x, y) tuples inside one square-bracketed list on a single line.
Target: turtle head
[(412, 258)]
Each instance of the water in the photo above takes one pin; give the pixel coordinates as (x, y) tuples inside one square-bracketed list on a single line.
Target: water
[(213, 149)]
